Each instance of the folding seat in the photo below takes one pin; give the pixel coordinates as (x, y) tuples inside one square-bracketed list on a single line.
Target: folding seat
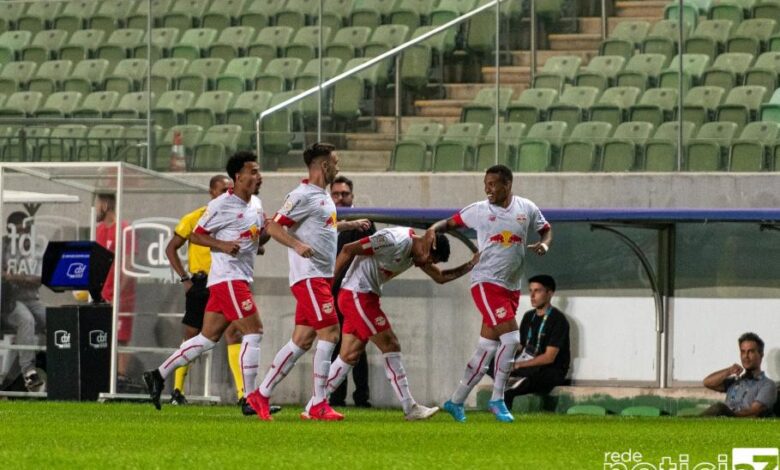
[(269, 42), (770, 111), (660, 152), (165, 75), (742, 104), (369, 77), (111, 15), (766, 9), (191, 136), (573, 105), (278, 75), (642, 71), (62, 144), (22, 104), (44, 46), (411, 152), (232, 42), (622, 152), (422, 63), (625, 39), (81, 45), (309, 78), (456, 147), (346, 97), (170, 108), (239, 75), (731, 10), (48, 78), (185, 14), (39, 16), (448, 10), (212, 152), (751, 151), (133, 106), (690, 14), (140, 17), (101, 143), (210, 109), (18, 150), (557, 71), (11, 45), (221, 14), (15, 76), (277, 130), (60, 104), (371, 12), (540, 149), (601, 72), (709, 150), (663, 39), (765, 72), (581, 151), (194, 43), (613, 105), (752, 36), (694, 66), (259, 13), (510, 134), (348, 43), (709, 38), (728, 70), (531, 107), (163, 40), (10, 12), (305, 44), (201, 75), (334, 14), (385, 37), (245, 111), (483, 108), (410, 13), (128, 76), (132, 148), (119, 45), (297, 13), (701, 103), (75, 14), (97, 105), (657, 105), (87, 76)]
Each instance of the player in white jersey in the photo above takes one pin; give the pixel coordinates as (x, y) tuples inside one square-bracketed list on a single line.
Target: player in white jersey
[(502, 223), (306, 224), (378, 259), (232, 227)]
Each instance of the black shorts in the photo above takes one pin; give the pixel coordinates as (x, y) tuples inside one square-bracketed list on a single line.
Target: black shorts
[(196, 299)]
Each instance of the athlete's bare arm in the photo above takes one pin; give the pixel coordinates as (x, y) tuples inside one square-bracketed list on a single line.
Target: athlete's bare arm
[(359, 224), (172, 252), (443, 277), (547, 237), (347, 254), (229, 247), (444, 225), (278, 233)]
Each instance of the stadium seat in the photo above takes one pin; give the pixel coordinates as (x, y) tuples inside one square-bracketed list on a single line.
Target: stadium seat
[(239, 75), (101, 143), (190, 136), (48, 77), (297, 13), (622, 152), (11, 45), (510, 134), (133, 146), (87, 76), (111, 15), (708, 151), (573, 105), (232, 42), (348, 43), (310, 77), (97, 105), (557, 71), (456, 147), (75, 14), (14, 76), (751, 151), (10, 12), (601, 72), (277, 129), (581, 151), (613, 105), (22, 104), (371, 12), (539, 149), (728, 70), (422, 63), (587, 410), (347, 96), (25, 150), (209, 109), (709, 38), (448, 10), (133, 106), (694, 66), (643, 411), (269, 42), (385, 37), (370, 78), (62, 143), (657, 105), (194, 43), (163, 40), (642, 71), (752, 36), (212, 151), (185, 14), (81, 45), (766, 9), (127, 77), (742, 105), (221, 14), (410, 12), (483, 108), (663, 39), (140, 17), (201, 75), (701, 103), (278, 75), (305, 44), (625, 39), (119, 45), (335, 14), (44, 46), (660, 152), (531, 107), (245, 112), (258, 13), (770, 111), (39, 16), (59, 105), (765, 71), (165, 75), (170, 107), (411, 152), (730, 10)]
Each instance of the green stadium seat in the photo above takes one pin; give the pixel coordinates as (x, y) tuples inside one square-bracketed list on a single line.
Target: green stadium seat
[(642, 411), (10, 12), (48, 77), (411, 152), (170, 108), (190, 137), (140, 17), (165, 75), (277, 130), (258, 13), (201, 75), (133, 106), (101, 143), (371, 12), (601, 72), (694, 66), (709, 150), (728, 70), (309, 78), (97, 105), (385, 37), (709, 38), (119, 45), (660, 152), (133, 147), (75, 14), (210, 109), (245, 112), (212, 152), (742, 105), (765, 71), (22, 104), (297, 13), (483, 108), (194, 43), (541, 146), (232, 42), (278, 75), (613, 105), (456, 147), (335, 14), (221, 14), (557, 71), (370, 77), (239, 75), (663, 39), (269, 42), (510, 134), (185, 14), (127, 77), (625, 39), (347, 96), (410, 13), (448, 10), (766, 9), (573, 105), (18, 151), (44, 46), (59, 105), (305, 44), (81, 45), (348, 43), (657, 105), (642, 71), (15, 76), (39, 16), (690, 14), (11, 45), (581, 151), (111, 15), (701, 103), (731, 10), (87, 76), (770, 111), (750, 152), (622, 152), (587, 410), (532, 105), (752, 36), (422, 63), (163, 40), (62, 143)]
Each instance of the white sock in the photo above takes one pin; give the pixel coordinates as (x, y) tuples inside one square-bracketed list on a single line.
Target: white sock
[(320, 368), (187, 352), (336, 375), (281, 366), (249, 359), (505, 357), (475, 369), (394, 370)]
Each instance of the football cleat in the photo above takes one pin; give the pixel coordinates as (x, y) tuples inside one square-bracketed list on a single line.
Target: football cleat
[(420, 412), (498, 408), (457, 412), (154, 385), (178, 398), (323, 412), (259, 403)]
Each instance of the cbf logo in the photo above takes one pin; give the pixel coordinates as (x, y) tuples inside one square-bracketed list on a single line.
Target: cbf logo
[(144, 247), (98, 339), (27, 240), (62, 339), (76, 270), (741, 458)]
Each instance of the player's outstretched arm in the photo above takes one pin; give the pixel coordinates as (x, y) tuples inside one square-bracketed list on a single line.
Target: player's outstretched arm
[(444, 225), (542, 246), (348, 253), (278, 233), (442, 277), (359, 224)]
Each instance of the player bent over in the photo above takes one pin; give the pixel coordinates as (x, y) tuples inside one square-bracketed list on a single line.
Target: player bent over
[(231, 226), (378, 259)]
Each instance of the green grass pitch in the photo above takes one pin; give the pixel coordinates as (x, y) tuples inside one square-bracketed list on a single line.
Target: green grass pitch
[(124, 435)]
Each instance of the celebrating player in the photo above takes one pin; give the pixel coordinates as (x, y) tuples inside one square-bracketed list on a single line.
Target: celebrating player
[(502, 223)]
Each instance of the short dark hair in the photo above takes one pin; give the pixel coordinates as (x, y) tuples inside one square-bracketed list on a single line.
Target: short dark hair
[(236, 162), (343, 180), (316, 150), (441, 254), (749, 336), (501, 170), (109, 199), (215, 179), (16, 218), (544, 279)]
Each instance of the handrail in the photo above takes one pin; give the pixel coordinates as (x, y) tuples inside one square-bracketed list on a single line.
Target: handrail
[(369, 63)]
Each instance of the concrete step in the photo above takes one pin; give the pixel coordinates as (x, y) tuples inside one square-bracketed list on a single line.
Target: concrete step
[(446, 108), (468, 91), (565, 42), (592, 25), (523, 58), (640, 8), (370, 142), (364, 160), (386, 125), (510, 75)]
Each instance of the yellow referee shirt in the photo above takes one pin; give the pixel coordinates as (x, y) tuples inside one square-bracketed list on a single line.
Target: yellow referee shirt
[(199, 256)]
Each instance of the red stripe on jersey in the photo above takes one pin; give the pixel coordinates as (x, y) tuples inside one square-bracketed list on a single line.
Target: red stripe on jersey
[(201, 230), (458, 220), (544, 229), (365, 244), (283, 220)]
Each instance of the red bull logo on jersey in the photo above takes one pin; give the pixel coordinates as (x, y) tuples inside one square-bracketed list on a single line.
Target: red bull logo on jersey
[(331, 222), (327, 307), (380, 321), (247, 305), (506, 239), (253, 233)]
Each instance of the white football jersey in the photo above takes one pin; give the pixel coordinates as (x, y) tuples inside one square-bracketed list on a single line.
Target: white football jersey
[(229, 218), (309, 214), (391, 254), (502, 235)]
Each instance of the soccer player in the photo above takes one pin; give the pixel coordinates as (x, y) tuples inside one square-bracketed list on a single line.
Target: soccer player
[(231, 227), (194, 280), (502, 223), (306, 224), (378, 259)]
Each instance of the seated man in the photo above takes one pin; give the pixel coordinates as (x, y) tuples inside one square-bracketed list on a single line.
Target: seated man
[(543, 357), (749, 392)]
